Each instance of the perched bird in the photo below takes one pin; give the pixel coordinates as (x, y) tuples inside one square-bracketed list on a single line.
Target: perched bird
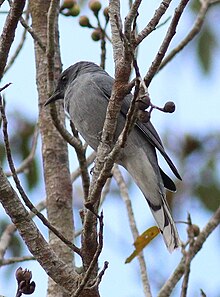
[(86, 89)]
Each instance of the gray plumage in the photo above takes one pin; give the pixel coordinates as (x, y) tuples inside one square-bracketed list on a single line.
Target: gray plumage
[(86, 89)]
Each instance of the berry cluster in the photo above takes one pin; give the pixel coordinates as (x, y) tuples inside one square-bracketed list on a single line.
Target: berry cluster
[(98, 31), (144, 102), (70, 8)]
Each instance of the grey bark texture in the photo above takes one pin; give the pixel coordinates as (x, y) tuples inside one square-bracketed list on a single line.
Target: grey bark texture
[(54, 147)]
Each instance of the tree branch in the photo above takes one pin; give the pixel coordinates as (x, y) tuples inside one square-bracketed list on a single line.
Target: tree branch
[(8, 32), (18, 49), (193, 32), (76, 143), (153, 22), (194, 249), (33, 34), (35, 242), (164, 46), (115, 21), (14, 260), (21, 190), (26, 162), (11, 228), (133, 226)]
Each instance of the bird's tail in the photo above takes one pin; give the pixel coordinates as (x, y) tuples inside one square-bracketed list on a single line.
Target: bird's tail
[(152, 187), (165, 223)]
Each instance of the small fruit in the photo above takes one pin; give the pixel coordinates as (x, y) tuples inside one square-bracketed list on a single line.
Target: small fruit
[(75, 10), (106, 14), (196, 230), (84, 21), (169, 107), (96, 35), (95, 6), (143, 116), (67, 4), (144, 102)]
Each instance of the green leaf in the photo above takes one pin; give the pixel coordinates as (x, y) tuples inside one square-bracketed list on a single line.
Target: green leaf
[(209, 195), (205, 46)]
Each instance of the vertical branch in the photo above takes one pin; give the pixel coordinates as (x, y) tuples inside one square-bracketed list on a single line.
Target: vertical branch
[(54, 148), (116, 27), (50, 49), (125, 196)]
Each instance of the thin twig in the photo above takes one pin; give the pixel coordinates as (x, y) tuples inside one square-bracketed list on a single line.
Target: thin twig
[(77, 172), (192, 33), (187, 255), (21, 190), (7, 234), (26, 162), (31, 31), (153, 22), (133, 226), (33, 34), (100, 276), (94, 260), (170, 284), (50, 48), (16, 260), (78, 146), (130, 17), (19, 47), (8, 33), (164, 46), (1, 2)]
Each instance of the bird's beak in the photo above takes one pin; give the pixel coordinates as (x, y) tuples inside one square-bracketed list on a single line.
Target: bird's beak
[(56, 96)]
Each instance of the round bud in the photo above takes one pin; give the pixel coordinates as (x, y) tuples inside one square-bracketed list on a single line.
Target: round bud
[(27, 275), (143, 116), (169, 107), (75, 10), (96, 35), (67, 4), (84, 21), (95, 6), (19, 274), (196, 230), (144, 102), (106, 14)]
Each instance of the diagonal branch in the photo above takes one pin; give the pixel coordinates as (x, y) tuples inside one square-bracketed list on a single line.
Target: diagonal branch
[(198, 243), (21, 190), (166, 42), (193, 32), (33, 34), (54, 267), (154, 21), (19, 47), (8, 33), (11, 228), (25, 163)]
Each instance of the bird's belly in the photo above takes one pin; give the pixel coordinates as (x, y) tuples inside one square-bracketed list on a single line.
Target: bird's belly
[(89, 122)]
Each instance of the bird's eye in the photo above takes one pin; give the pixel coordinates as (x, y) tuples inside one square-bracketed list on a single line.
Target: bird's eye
[(64, 78)]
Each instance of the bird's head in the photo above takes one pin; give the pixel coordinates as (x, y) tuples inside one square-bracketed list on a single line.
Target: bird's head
[(68, 76)]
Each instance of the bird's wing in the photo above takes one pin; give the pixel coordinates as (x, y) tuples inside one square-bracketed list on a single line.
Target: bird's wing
[(146, 128)]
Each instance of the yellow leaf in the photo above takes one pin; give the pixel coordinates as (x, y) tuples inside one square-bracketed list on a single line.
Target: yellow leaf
[(144, 239)]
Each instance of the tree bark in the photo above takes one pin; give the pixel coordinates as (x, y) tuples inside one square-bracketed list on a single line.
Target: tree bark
[(54, 148)]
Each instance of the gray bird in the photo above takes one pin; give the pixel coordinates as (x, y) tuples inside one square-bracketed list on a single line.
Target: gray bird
[(86, 89)]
